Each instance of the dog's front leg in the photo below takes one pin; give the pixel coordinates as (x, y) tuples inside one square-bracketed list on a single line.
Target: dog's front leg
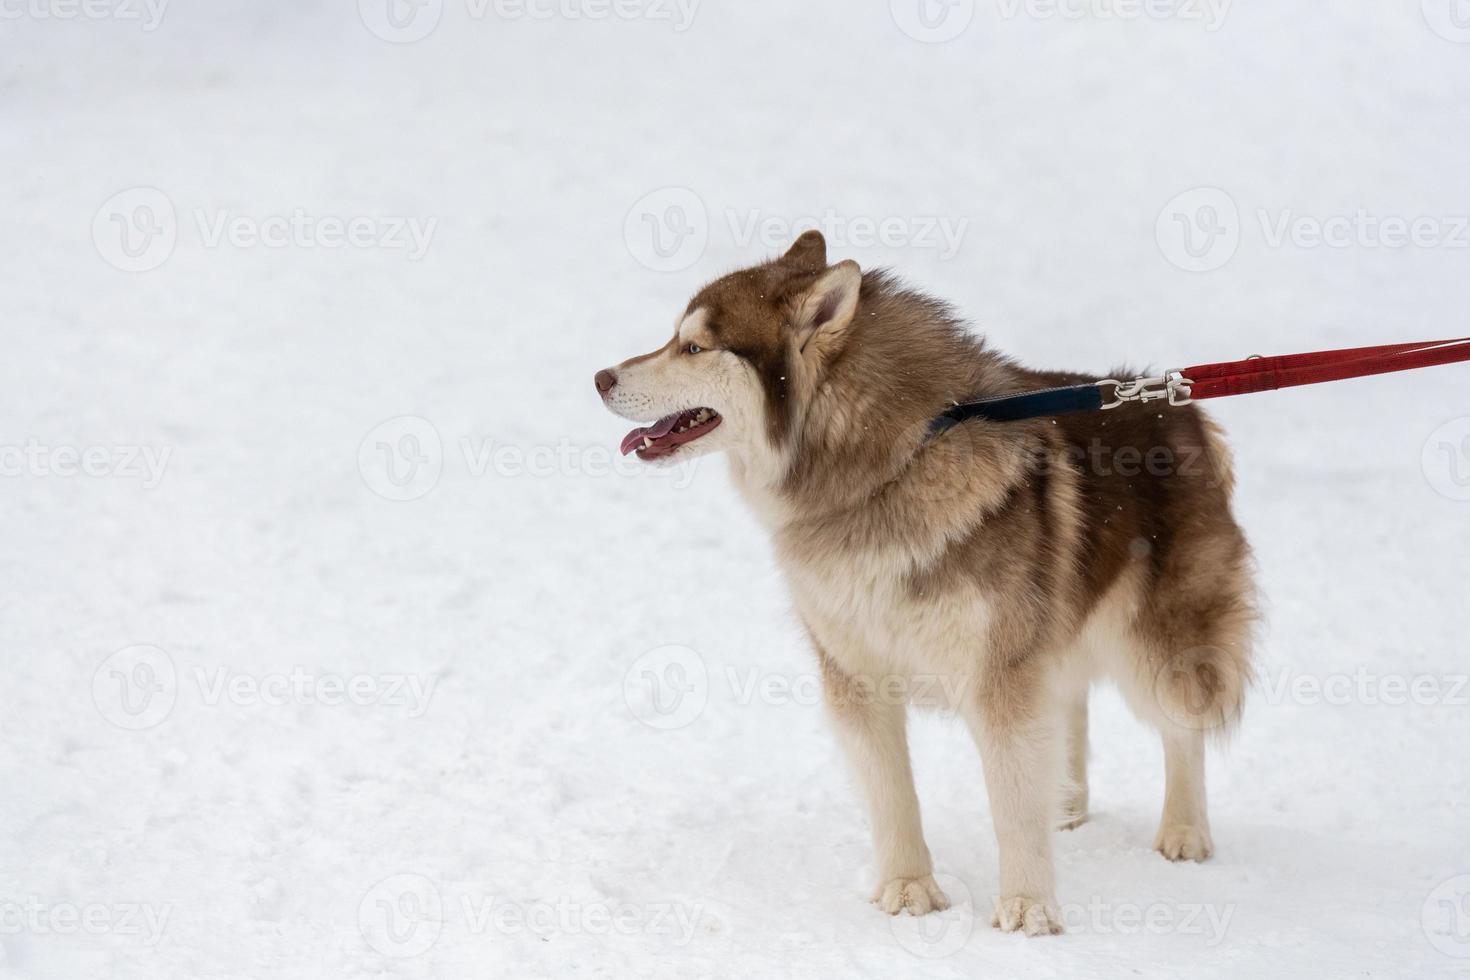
[(874, 738), (1018, 749)]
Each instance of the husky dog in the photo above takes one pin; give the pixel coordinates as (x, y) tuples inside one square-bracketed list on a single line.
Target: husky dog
[(1014, 562)]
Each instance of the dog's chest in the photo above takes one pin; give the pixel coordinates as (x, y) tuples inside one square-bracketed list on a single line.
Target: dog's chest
[(863, 609)]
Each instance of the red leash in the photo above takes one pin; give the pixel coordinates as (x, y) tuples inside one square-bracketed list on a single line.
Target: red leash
[(1209, 381), (1268, 373)]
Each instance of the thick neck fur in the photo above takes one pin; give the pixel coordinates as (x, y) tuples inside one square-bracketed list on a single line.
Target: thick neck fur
[(860, 422)]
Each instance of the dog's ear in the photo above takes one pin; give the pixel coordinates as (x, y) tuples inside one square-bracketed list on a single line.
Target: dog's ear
[(808, 253), (825, 311)]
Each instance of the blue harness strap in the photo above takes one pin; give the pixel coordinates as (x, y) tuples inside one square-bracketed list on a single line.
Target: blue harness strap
[(1181, 387), (1027, 405)]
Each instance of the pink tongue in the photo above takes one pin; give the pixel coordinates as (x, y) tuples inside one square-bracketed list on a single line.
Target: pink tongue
[(657, 430)]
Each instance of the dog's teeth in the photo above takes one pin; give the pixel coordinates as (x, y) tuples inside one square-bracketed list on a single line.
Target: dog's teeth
[(647, 442)]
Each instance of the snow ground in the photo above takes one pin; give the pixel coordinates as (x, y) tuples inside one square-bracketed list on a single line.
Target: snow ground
[(186, 793)]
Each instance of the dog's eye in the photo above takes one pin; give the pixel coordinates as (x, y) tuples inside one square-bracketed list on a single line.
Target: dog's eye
[(693, 349)]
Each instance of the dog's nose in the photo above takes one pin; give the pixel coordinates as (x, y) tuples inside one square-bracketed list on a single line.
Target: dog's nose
[(605, 380)]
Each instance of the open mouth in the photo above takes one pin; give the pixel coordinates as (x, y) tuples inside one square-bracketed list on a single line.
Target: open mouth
[(670, 432)]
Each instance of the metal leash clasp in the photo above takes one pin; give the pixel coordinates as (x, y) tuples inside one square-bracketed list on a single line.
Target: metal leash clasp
[(1173, 386)]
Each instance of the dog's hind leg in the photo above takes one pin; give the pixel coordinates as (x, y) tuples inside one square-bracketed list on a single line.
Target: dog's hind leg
[(1074, 799), (1185, 664), (1187, 698), (874, 738), (1184, 828), (1190, 691)]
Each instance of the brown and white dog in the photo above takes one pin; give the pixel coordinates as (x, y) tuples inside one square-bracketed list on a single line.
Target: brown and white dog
[(1016, 562)]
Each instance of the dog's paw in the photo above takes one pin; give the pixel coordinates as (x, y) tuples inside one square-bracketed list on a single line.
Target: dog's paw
[(1073, 810), (917, 896), (1072, 819), (1184, 843), (1028, 915)]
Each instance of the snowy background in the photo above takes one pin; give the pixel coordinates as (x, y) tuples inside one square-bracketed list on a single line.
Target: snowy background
[(338, 644)]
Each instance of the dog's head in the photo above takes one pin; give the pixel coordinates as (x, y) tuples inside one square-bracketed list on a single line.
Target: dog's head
[(745, 352)]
